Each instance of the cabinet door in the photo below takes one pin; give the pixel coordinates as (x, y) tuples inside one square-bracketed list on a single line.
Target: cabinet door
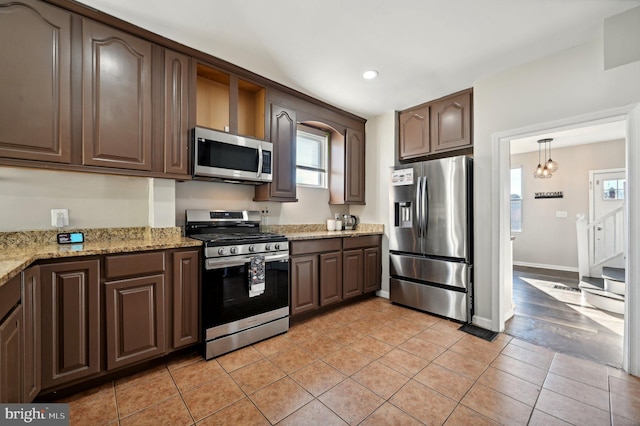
[(135, 318), (372, 269), (451, 122), (35, 76), (176, 107), (116, 97), (11, 357), (354, 167), (330, 278), (353, 280), (304, 284), (32, 309), (70, 321), (186, 312), (414, 133), (283, 137)]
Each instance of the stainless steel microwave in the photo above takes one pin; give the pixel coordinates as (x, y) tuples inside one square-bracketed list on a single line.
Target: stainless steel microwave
[(230, 158)]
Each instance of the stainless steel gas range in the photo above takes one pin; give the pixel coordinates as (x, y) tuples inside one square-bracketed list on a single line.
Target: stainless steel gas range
[(245, 279)]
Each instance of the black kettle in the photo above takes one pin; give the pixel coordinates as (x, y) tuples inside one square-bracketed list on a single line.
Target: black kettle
[(349, 222)]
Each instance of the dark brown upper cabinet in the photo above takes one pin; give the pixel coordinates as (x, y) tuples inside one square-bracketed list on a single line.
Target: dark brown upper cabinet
[(228, 103), (176, 112), (451, 122), (283, 137), (35, 76), (414, 133), (116, 93), (347, 177), (436, 128)]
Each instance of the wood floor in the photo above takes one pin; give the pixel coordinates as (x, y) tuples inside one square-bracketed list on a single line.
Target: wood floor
[(549, 312)]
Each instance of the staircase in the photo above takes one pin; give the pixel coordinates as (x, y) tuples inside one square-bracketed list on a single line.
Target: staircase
[(602, 285)]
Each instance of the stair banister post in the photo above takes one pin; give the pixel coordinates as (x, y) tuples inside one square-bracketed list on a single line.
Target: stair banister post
[(583, 245)]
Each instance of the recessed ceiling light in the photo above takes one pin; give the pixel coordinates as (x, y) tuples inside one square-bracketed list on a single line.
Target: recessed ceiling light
[(370, 74)]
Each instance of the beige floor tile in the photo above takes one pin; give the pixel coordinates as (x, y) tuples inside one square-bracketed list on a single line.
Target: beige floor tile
[(380, 379), (404, 362), (407, 327), (498, 343), (515, 387), (242, 412), (196, 373), (439, 337), (257, 375), (321, 346), (461, 364), (98, 409), (389, 335), (520, 369), (581, 370), (371, 347), (280, 399), (577, 390), (273, 345), (299, 333), (351, 401), (314, 413), (540, 418), (497, 406), (143, 376), (240, 358), (531, 347), (450, 327), (424, 319), (206, 399), (292, 359), (464, 416), (318, 377), (537, 359), (425, 350), (103, 391), (479, 353), (423, 403), (622, 421), (626, 406), (184, 360), (389, 415), (625, 385), (132, 399), (445, 381), (348, 361), (344, 335), (170, 412), (570, 410)]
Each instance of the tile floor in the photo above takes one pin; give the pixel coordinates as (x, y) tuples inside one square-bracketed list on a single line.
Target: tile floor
[(371, 363)]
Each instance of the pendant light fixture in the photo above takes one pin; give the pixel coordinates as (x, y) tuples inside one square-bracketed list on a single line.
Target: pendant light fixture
[(546, 169)]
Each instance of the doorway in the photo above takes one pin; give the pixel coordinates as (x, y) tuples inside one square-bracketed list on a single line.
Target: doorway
[(501, 205)]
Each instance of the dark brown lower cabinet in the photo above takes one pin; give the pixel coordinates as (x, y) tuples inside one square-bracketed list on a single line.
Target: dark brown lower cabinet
[(353, 281), (304, 283), (330, 278), (11, 357), (185, 304), (135, 319), (362, 265), (372, 269), (31, 313), (70, 321)]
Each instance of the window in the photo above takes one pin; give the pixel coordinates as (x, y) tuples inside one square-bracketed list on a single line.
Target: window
[(613, 189), (516, 199), (311, 158)]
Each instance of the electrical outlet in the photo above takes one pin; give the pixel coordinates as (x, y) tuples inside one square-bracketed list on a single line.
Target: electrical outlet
[(561, 214), (59, 218)]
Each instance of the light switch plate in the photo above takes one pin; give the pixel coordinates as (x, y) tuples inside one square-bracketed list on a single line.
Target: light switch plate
[(561, 214), (59, 218)]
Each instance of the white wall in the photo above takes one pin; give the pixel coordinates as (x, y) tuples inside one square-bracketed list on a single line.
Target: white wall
[(548, 241), (93, 200), (568, 84)]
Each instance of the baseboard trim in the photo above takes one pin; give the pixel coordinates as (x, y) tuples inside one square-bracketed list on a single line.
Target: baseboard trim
[(382, 293), (545, 266)]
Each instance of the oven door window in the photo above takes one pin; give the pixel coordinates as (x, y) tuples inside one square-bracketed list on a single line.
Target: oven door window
[(226, 293), (227, 156)]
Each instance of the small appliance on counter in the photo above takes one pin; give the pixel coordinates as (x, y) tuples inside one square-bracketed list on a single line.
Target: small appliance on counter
[(349, 222)]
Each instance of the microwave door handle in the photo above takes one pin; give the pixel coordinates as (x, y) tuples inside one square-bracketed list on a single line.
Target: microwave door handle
[(259, 160)]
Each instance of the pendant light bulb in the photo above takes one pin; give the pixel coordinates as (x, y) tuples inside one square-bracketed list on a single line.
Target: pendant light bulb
[(551, 165), (538, 172)]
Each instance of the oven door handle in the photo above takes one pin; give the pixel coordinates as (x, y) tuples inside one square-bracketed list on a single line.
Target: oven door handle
[(227, 263)]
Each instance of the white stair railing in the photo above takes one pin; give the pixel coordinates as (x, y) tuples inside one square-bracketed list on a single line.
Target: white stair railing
[(610, 226)]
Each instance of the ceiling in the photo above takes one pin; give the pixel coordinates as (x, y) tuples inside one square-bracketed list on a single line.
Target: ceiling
[(422, 49)]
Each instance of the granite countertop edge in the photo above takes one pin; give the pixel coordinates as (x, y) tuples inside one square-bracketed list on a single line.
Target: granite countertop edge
[(313, 235)]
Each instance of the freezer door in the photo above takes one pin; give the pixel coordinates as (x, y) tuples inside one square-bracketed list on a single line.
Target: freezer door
[(404, 197), (447, 208)]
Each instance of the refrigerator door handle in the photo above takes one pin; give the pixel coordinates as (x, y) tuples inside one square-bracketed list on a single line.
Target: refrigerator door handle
[(419, 206), (425, 206)]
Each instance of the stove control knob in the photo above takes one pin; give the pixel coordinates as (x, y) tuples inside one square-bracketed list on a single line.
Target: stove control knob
[(252, 248), (277, 246), (267, 247), (222, 251), (233, 250)]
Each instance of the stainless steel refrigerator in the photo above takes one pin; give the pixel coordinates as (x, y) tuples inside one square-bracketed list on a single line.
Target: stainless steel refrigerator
[(430, 237)]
